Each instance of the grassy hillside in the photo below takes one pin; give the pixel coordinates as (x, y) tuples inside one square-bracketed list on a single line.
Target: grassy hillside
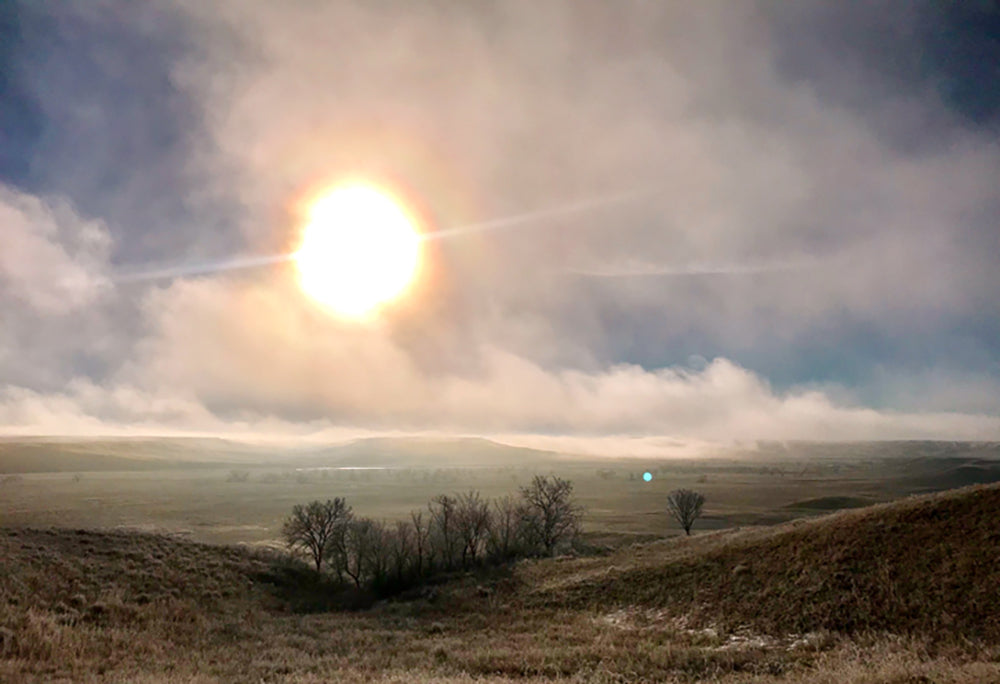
[(925, 566), (903, 592), (829, 503)]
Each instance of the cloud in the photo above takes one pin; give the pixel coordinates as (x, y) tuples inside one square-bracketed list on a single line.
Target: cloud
[(251, 358), (489, 112), (247, 351), (51, 260), (56, 297), (690, 195)]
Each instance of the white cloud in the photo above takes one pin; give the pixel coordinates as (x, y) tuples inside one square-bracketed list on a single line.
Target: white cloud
[(245, 351), (484, 111), (50, 259)]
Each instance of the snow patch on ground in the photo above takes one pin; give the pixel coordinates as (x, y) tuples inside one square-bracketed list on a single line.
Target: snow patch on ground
[(710, 638)]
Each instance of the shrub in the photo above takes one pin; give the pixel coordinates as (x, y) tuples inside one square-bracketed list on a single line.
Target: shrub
[(238, 476)]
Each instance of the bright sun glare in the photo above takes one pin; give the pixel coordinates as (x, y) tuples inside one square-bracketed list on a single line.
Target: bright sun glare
[(359, 250)]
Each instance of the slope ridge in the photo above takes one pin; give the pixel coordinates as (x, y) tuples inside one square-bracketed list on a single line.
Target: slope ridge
[(924, 565)]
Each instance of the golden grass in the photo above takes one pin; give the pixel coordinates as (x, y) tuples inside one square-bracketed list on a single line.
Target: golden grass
[(84, 606), (924, 565)]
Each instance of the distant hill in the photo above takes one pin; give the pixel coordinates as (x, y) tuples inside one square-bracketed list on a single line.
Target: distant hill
[(426, 452), (961, 474), (930, 451), (923, 465), (43, 454), (924, 565), (49, 454)]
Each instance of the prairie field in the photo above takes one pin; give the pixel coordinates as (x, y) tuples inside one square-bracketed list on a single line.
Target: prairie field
[(246, 501), (578, 341), (833, 570), (852, 597)]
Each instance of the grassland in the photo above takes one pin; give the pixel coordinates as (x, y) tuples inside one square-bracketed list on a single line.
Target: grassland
[(203, 501), (904, 592), (166, 573), (204, 505)]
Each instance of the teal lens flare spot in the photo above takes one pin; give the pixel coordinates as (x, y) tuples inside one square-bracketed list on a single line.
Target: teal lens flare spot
[(647, 476)]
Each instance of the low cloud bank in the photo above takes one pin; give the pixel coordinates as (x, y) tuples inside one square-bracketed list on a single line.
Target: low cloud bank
[(237, 358)]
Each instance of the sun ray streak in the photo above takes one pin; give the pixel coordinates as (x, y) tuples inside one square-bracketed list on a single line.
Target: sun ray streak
[(514, 221), (204, 268), (693, 269), (527, 218)]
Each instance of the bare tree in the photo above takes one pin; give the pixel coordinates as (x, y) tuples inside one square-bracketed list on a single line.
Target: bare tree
[(315, 527), (472, 518), (421, 542), (402, 548), (504, 529), (444, 528), (367, 551), (549, 514), (685, 506), (380, 551)]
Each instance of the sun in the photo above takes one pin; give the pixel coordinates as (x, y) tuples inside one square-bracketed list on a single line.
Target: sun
[(359, 250)]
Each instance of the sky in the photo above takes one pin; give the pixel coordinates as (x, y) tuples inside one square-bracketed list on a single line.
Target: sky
[(703, 222)]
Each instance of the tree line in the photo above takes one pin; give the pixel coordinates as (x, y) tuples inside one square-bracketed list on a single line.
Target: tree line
[(459, 531)]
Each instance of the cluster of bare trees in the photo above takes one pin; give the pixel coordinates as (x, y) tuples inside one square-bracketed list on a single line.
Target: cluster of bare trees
[(457, 531)]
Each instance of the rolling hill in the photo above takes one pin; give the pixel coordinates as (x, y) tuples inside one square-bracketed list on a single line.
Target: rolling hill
[(46, 454), (924, 566), (55, 454), (927, 466), (426, 452), (900, 592)]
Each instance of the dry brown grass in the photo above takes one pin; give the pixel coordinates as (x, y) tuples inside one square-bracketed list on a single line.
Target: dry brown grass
[(923, 566), (85, 606)]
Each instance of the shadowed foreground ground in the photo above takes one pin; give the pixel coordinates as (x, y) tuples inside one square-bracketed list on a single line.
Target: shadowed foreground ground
[(904, 592)]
